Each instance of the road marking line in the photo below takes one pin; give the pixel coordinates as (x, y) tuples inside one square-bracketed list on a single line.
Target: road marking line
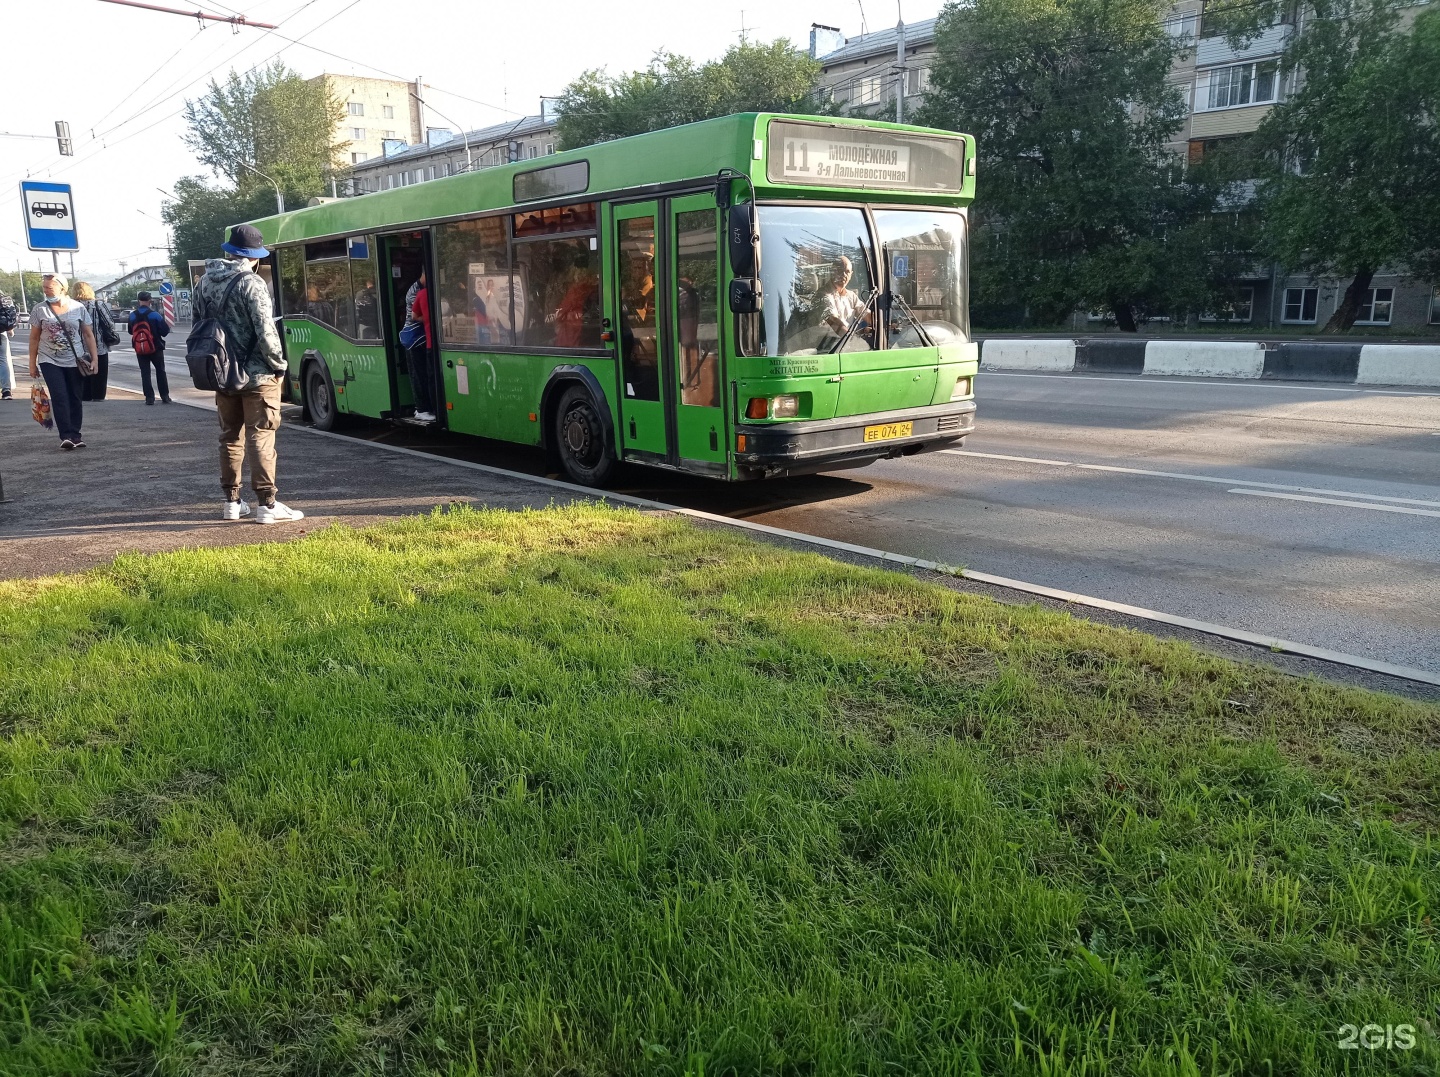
[(1143, 379), (1337, 501), (1193, 478), (1240, 635)]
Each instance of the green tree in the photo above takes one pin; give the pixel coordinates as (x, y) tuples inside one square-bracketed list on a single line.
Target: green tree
[(1351, 175), (201, 214), (1082, 203), (750, 77), (269, 118)]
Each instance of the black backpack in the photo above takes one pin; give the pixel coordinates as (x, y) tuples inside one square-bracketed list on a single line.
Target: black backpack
[(9, 316), (207, 352)]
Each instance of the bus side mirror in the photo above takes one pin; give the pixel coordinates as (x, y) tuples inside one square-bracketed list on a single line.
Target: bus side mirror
[(746, 296), (744, 240)]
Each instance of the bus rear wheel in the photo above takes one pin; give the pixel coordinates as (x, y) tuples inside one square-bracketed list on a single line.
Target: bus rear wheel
[(582, 438), (320, 398)]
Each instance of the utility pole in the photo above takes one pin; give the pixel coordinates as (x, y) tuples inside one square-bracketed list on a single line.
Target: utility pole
[(24, 299), (419, 94), (72, 265), (900, 68)]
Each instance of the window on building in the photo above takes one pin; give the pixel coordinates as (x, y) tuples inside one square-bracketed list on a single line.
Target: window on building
[(357, 134), (1300, 305), (867, 91), (1182, 25), (328, 298), (1375, 306), (549, 148), (917, 81), (356, 158), (390, 134), (534, 150), (357, 108), (1240, 84), (387, 112), (1239, 309)]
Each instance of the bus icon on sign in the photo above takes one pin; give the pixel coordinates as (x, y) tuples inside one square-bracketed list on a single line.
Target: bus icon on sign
[(50, 209)]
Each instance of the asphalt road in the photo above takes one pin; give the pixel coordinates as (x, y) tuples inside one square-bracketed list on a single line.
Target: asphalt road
[(1306, 512)]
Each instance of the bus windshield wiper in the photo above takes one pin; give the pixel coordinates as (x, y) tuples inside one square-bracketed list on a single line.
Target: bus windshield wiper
[(856, 324)]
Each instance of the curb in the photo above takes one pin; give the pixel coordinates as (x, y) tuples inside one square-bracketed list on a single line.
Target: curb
[(1343, 363)]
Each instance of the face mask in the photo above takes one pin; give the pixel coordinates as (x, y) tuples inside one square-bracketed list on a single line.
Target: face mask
[(54, 299)]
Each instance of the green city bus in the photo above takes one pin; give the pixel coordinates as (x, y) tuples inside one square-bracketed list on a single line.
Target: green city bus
[(752, 296)]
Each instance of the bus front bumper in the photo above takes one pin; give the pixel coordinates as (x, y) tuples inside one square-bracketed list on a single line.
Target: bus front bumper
[(810, 445)]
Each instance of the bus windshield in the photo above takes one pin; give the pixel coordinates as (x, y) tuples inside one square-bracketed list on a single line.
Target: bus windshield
[(925, 253), (817, 267), (815, 270)]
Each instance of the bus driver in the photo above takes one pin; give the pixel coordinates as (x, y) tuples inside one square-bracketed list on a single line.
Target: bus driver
[(842, 306)]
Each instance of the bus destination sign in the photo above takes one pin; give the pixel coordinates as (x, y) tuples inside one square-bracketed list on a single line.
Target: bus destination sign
[(825, 156)]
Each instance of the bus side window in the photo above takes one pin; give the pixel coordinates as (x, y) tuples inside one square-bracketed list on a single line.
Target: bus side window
[(292, 281)]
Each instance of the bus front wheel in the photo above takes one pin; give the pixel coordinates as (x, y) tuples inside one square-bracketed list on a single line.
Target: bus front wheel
[(583, 439), (320, 398)]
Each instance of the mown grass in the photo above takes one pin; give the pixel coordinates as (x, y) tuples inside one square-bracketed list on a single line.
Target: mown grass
[(582, 791)]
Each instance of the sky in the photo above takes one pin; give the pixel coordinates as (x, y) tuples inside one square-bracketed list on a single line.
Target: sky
[(124, 74)]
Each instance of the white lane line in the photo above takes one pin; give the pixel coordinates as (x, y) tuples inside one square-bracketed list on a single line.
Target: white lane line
[(1142, 379), (1216, 479), (1337, 501), (1241, 635)]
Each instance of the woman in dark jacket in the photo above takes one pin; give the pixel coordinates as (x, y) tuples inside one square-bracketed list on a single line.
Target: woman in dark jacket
[(95, 386)]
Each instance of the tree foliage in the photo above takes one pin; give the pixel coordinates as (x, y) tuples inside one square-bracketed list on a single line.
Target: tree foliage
[(202, 212), (1081, 204), (750, 77), (1351, 157), (270, 118)]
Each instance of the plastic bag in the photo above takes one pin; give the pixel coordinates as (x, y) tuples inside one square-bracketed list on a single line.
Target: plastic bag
[(40, 405)]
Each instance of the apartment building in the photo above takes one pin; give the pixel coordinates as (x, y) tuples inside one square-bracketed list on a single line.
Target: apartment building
[(376, 111), (443, 153), (1229, 92), (863, 74)]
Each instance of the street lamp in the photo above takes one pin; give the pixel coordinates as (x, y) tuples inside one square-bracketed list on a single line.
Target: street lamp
[(279, 198), (469, 161)]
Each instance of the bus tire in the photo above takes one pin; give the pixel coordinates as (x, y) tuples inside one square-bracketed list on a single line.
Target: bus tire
[(320, 396), (583, 440)]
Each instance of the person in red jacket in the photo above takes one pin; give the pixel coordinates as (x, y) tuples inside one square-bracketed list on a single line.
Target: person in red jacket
[(422, 376)]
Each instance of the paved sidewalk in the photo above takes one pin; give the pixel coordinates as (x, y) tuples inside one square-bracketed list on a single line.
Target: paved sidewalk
[(149, 480)]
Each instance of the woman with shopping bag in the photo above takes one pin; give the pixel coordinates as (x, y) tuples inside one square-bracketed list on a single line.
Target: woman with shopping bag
[(62, 350)]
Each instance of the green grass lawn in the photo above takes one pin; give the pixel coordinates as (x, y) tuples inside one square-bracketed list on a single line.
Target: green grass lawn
[(583, 791)]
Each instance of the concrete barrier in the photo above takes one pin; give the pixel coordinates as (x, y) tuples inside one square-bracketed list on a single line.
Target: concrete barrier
[(1111, 355), (1029, 354), (1312, 362), (1399, 364), (1205, 359)]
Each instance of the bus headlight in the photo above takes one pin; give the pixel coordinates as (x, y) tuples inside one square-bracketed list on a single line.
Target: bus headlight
[(961, 390), (784, 407)]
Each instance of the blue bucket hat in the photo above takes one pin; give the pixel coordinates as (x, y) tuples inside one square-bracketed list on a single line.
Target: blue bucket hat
[(246, 242)]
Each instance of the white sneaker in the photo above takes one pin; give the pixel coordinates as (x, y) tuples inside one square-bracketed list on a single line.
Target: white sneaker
[(425, 416), (234, 510), (277, 514)]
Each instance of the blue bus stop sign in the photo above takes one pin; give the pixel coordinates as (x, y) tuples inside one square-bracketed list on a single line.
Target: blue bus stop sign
[(49, 216)]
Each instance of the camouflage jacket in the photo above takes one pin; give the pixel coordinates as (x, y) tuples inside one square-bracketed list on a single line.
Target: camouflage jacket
[(247, 317)]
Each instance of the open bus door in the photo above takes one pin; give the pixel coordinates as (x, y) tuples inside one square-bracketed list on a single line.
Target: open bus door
[(403, 255), (666, 268)]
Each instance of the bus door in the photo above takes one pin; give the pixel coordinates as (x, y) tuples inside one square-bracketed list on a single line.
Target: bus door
[(644, 358), (403, 255), (693, 272)]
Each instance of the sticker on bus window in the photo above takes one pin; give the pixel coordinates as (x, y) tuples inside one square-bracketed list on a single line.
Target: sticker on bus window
[(462, 379)]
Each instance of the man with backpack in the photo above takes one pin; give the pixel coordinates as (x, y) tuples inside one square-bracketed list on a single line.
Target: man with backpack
[(9, 319), (148, 330), (232, 294)]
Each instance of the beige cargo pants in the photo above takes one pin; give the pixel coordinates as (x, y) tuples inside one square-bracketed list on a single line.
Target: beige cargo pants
[(248, 422)]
